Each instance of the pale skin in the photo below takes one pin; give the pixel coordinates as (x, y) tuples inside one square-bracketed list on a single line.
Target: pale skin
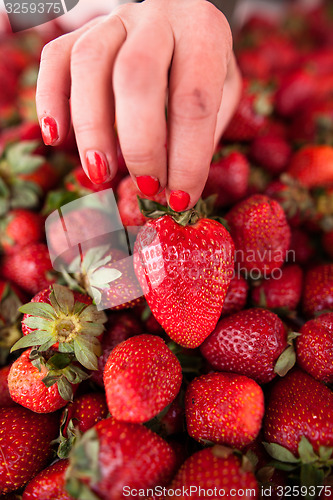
[(126, 65)]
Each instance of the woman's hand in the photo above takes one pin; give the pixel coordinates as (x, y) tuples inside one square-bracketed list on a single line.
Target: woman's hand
[(127, 64)]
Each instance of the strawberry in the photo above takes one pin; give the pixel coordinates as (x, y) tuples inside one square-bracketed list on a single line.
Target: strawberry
[(312, 166), (236, 297), (114, 455), (10, 319), (313, 124), (141, 377), (25, 445), (271, 152), (283, 292), (30, 268), (249, 343), (314, 348), (251, 116), (128, 203), (178, 266), (228, 178), (224, 408), (253, 64), (299, 406), (120, 327), (65, 320), (20, 228), (318, 290), (45, 387), (301, 246), (5, 399), (78, 182), (296, 89), (216, 470), (261, 234), (48, 484)]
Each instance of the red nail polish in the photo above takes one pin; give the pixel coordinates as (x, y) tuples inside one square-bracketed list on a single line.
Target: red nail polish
[(149, 186), (97, 166), (49, 129), (179, 201)]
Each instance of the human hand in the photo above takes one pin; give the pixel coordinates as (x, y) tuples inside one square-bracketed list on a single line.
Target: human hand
[(127, 65)]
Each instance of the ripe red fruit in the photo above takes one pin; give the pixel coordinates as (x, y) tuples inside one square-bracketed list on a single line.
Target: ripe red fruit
[(141, 377), (299, 406), (219, 468), (186, 270), (26, 386), (25, 445), (48, 484), (20, 228), (236, 297), (249, 343), (224, 408), (312, 166), (30, 268), (5, 399), (318, 290), (78, 182), (283, 292), (113, 455), (301, 246), (314, 348), (85, 411), (296, 89), (271, 152), (260, 233), (228, 178)]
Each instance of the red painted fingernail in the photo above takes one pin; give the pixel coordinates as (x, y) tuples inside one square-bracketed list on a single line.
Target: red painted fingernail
[(149, 186), (98, 167), (179, 200), (49, 129)]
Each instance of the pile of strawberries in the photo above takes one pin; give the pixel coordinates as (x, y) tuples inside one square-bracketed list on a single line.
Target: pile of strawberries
[(193, 357)]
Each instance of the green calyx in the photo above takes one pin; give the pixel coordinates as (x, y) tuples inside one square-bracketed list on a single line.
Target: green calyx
[(83, 466), (72, 324), (67, 437), (61, 370), (309, 468), (203, 209), (287, 358)]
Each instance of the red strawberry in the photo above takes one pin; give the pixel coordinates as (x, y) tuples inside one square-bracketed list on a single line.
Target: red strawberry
[(215, 470), (296, 89), (251, 116), (228, 178), (314, 124), (48, 484), (299, 406), (253, 64), (128, 203), (236, 297), (249, 343), (66, 320), (301, 246), (115, 456), (78, 182), (21, 228), (178, 266), (141, 377), (312, 166), (25, 445), (224, 408), (5, 399), (44, 388), (281, 292), (261, 234), (271, 152), (314, 348), (120, 327), (318, 290), (30, 268)]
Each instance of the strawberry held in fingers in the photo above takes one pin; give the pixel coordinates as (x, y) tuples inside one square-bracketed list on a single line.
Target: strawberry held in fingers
[(217, 470), (224, 408), (69, 320), (141, 377), (260, 233), (249, 343), (25, 444), (114, 455), (184, 264), (49, 484)]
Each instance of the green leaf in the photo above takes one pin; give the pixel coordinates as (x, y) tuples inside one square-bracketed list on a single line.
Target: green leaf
[(311, 476), (280, 453), (44, 347), (65, 389), (65, 298), (285, 361), (65, 347), (50, 379), (57, 199), (325, 452), (103, 276), (91, 329), (59, 361), (37, 323), (41, 310), (84, 356), (92, 314), (306, 452), (32, 339)]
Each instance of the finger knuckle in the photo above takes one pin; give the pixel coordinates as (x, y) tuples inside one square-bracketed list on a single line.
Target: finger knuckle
[(197, 104), (142, 156), (52, 49), (85, 51), (135, 70)]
